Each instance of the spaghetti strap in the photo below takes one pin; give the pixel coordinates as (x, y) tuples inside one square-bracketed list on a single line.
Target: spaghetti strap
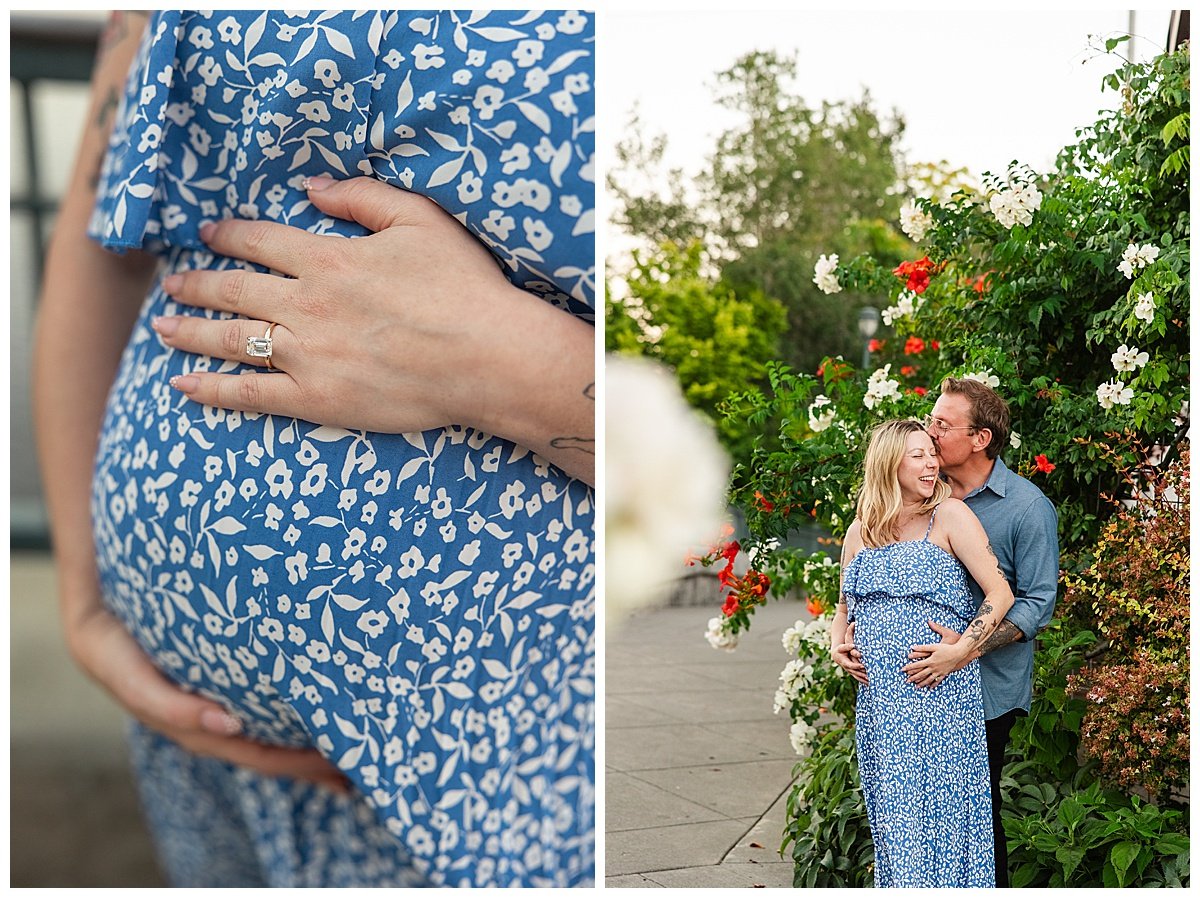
[(929, 529)]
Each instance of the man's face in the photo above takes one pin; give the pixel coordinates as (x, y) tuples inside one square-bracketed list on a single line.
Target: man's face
[(951, 429)]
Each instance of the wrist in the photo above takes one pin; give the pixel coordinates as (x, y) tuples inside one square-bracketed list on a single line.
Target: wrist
[(529, 378)]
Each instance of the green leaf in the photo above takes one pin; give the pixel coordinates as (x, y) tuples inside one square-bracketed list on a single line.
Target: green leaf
[(1122, 855), (1173, 843), (1070, 858)]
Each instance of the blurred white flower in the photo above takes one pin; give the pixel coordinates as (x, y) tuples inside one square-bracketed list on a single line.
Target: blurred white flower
[(819, 420), (984, 377), (665, 481), (1127, 359), (1145, 307), (719, 635), (914, 221), (880, 387), (1014, 440), (823, 274), (801, 736), (1113, 393)]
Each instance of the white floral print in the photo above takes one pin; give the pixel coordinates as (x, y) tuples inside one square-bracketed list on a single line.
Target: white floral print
[(417, 606)]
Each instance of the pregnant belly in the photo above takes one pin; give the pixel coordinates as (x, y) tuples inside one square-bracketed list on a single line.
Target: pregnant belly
[(887, 627), (347, 589)]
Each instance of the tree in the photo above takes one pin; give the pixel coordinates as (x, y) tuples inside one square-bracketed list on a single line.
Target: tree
[(788, 183), (716, 339)]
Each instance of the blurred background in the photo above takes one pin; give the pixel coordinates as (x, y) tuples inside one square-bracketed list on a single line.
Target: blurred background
[(73, 814)]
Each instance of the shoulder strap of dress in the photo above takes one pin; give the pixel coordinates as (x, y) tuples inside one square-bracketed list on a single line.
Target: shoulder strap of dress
[(929, 529)]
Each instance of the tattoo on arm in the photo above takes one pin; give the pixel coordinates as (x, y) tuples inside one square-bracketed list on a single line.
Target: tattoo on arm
[(580, 443), (978, 627), (1006, 633)]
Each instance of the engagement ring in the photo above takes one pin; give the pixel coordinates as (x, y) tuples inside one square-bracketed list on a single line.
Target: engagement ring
[(261, 347)]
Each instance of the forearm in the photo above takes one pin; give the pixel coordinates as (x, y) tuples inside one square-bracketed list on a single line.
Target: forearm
[(85, 312), (989, 630), (837, 630), (540, 388)]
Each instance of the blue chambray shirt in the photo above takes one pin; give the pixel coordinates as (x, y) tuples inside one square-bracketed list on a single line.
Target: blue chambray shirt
[(1022, 527)]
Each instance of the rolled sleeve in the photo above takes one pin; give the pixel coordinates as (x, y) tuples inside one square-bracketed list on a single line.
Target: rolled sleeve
[(1036, 549)]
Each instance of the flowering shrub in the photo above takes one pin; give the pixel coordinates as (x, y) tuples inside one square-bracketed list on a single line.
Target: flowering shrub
[(1066, 292), (1135, 594)]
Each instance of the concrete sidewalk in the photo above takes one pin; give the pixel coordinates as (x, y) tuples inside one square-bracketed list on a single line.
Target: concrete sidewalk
[(698, 768)]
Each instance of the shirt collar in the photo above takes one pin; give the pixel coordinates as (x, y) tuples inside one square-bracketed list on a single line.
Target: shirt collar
[(997, 481)]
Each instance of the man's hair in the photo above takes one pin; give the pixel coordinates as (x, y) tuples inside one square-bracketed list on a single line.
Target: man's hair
[(987, 410)]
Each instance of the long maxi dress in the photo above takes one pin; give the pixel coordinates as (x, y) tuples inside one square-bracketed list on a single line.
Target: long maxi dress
[(419, 607), (922, 753)]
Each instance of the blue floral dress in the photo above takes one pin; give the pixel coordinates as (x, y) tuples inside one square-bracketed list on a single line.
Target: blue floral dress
[(922, 753), (419, 607)]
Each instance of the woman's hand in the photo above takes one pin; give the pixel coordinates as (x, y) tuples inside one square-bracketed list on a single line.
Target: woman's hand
[(933, 662), (110, 656), (846, 656), (410, 328)]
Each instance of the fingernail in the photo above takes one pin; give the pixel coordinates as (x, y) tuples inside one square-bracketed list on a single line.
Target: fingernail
[(318, 183), (165, 326), (206, 232), (185, 383), (171, 283), (220, 722)]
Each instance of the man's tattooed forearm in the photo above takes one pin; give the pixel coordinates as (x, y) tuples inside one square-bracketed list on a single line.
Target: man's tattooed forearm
[(1006, 633)]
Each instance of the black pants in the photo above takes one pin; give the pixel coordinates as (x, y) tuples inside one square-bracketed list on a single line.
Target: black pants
[(997, 740)]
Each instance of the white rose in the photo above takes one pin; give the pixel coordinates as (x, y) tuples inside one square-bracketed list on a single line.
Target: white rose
[(801, 736), (914, 221), (719, 635), (820, 420), (823, 274)]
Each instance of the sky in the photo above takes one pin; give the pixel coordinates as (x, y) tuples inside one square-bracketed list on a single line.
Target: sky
[(978, 89)]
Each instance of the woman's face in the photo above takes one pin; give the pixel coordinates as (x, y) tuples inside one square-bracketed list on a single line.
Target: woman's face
[(918, 467)]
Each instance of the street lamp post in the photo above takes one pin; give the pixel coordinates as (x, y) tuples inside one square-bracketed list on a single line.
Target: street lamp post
[(868, 324)]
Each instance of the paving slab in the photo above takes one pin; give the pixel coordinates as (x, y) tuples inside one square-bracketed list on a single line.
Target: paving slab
[(676, 745), (733, 790), (703, 706), (631, 881), (669, 847), (637, 804), (661, 678), (696, 727)]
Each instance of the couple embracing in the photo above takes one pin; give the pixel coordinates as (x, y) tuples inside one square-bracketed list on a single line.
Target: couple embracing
[(948, 572)]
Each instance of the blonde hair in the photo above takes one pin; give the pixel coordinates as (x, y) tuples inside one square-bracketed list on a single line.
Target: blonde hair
[(879, 501)]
